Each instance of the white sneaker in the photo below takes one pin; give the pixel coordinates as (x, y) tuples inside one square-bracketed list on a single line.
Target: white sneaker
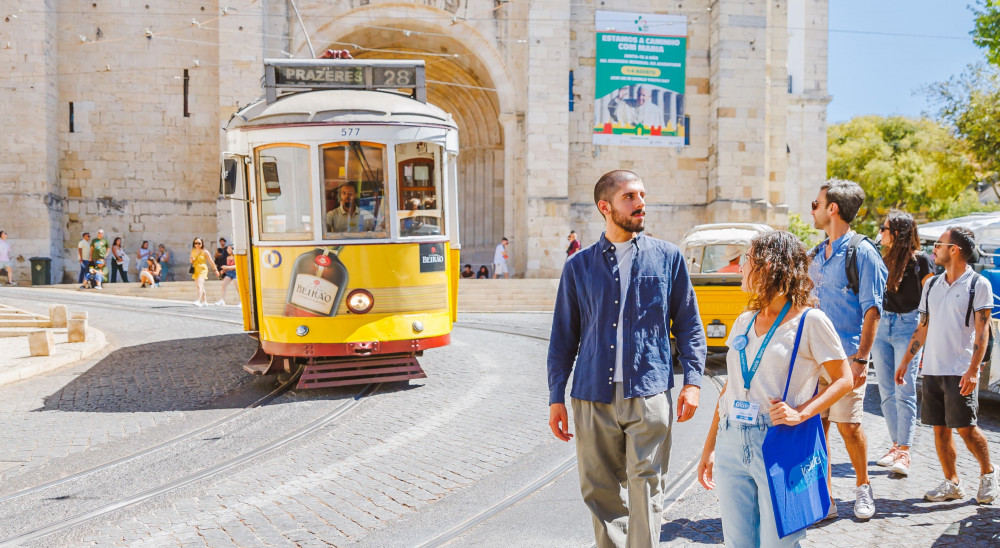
[(832, 514), (199, 303), (864, 503), (220, 302), (987, 487), (946, 491), (902, 464)]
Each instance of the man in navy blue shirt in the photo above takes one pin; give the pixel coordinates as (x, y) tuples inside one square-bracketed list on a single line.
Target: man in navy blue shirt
[(619, 301)]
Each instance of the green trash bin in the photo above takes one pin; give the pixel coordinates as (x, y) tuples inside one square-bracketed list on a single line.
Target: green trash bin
[(41, 271)]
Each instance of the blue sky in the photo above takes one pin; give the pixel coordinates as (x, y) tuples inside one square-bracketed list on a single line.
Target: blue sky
[(873, 73)]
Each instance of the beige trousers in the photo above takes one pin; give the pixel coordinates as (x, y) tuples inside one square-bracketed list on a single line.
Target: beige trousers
[(623, 449)]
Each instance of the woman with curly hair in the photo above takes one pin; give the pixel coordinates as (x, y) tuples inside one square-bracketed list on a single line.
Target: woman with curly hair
[(908, 269), (776, 275)]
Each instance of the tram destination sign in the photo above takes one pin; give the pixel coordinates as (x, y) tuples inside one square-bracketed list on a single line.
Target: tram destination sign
[(316, 74)]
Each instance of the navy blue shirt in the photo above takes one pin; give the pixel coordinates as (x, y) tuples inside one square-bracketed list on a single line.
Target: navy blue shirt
[(660, 301)]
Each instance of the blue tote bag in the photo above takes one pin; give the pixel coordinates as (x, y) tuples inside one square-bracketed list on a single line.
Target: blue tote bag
[(795, 458)]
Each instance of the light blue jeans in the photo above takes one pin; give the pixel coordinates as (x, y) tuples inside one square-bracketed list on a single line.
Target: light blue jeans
[(741, 483), (899, 403)]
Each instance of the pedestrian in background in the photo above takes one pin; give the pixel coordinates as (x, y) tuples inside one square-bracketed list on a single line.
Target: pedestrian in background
[(955, 324), (500, 260), (141, 255), (119, 260), (149, 276), (83, 251), (617, 302), (221, 253), (776, 276), (99, 252), (467, 271), (163, 259), (854, 315), (228, 274), (574, 244), (5, 254), (908, 269), (483, 274), (200, 261)]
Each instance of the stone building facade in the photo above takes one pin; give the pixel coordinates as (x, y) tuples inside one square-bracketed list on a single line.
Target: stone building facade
[(113, 111)]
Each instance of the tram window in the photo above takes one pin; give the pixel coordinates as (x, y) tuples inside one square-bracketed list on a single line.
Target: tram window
[(354, 190), (285, 199), (420, 204)]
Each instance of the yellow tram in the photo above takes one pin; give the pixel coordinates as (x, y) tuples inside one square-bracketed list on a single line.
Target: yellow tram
[(342, 181)]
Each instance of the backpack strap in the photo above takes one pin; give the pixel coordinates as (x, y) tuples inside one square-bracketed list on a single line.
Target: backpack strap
[(930, 286), (851, 262), (972, 296)]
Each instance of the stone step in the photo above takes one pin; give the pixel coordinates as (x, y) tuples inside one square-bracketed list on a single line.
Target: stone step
[(24, 323)]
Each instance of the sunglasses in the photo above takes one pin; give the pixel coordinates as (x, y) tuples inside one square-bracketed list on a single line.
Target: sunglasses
[(882, 228), (936, 244), (815, 205)]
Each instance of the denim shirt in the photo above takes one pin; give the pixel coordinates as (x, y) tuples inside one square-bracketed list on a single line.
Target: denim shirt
[(845, 309), (660, 300)]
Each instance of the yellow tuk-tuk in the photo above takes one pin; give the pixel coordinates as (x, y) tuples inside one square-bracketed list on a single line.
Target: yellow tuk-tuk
[(714, 253)]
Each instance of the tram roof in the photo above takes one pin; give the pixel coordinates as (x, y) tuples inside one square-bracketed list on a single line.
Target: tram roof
[(340, 106)]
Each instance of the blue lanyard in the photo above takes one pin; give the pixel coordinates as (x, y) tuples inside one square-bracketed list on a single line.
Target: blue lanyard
[(748, 373)]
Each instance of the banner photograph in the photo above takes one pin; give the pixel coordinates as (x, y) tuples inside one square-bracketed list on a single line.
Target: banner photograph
[(639, 98)]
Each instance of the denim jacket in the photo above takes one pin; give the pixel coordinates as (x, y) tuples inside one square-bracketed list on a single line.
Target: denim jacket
[(660, 300)]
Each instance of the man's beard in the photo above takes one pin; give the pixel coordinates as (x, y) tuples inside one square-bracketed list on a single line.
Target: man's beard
[(627, 222)]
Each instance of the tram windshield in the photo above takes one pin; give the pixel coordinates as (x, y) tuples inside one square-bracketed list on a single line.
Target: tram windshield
[(354, 190), (420, 204), (285, 193)]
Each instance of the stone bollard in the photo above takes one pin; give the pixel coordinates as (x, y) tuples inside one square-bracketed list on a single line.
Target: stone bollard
[(41, 343), (57, 315), (76, 329), (78, 316)]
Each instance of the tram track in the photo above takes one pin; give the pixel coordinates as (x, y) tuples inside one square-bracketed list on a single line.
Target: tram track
[(672, 490), (66, 484), (63, 524)]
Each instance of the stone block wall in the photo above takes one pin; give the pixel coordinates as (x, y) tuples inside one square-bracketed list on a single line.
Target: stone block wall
[(137, 167)]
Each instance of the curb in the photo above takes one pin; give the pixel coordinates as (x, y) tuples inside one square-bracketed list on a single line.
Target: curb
[(66, 354)]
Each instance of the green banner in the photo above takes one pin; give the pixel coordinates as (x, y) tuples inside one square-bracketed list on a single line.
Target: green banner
[(640, 79)]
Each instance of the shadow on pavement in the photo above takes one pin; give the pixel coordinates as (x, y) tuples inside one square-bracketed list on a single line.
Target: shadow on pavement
[(705, 531), (175, 375), (982, 529)]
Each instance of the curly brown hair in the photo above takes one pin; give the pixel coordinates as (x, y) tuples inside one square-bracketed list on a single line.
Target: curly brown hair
[(779, 265)]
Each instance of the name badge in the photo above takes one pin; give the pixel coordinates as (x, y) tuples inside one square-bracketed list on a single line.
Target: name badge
[(744, 411)]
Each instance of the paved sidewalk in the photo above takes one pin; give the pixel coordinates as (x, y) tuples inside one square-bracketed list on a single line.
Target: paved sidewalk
[(17, 363), (902, 517)]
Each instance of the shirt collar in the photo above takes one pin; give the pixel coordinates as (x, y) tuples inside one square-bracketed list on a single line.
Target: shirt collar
[(607, 246)]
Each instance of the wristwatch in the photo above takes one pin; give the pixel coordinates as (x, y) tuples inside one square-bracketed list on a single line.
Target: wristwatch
[(861, 361)]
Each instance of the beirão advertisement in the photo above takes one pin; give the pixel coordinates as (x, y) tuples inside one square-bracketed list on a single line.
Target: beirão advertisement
[(640, 74)]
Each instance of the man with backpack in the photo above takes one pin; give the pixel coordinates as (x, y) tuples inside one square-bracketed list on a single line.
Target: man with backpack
[(849, 277), (954, 322)]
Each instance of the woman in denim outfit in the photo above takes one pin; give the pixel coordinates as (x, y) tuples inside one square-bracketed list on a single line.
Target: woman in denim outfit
[(908, 270), (776, 275)]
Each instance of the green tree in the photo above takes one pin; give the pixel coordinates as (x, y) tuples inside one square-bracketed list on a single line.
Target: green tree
[(986, 33), (970, 104), (915, 165)]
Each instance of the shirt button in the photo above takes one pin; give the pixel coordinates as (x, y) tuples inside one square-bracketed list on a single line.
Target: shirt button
[(616, 302), (614, 325), (612, 346)]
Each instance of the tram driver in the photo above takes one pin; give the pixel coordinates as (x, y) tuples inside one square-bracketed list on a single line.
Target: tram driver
[(346, 217)]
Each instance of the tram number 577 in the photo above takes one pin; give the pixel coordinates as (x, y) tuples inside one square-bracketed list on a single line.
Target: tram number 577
[(350, 132)]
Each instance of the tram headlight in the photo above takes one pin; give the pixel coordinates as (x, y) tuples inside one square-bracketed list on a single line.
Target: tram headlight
[(360, 301)]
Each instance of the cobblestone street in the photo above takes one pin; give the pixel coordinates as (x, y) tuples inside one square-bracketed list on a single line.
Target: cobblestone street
[(425, 463)]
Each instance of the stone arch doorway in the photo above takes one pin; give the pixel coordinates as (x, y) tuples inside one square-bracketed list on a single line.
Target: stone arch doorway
[(459, 83)]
